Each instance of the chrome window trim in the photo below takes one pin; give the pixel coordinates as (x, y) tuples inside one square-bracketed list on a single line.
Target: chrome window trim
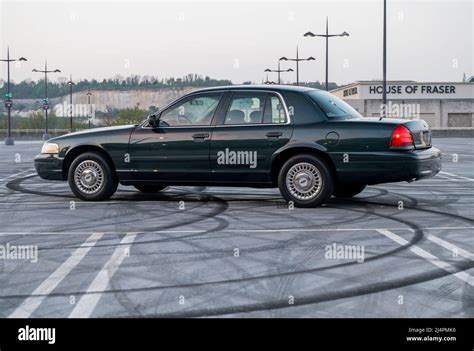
[(183, 98), (285, 107)]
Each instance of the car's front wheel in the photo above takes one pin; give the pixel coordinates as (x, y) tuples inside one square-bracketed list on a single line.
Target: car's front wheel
[(348, 190), (149, 188), (92, 177), (305, 180)]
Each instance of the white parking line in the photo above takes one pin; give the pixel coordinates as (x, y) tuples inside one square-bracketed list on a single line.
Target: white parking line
[(451, 247), (87, 303), (429, 257), (47, 286)]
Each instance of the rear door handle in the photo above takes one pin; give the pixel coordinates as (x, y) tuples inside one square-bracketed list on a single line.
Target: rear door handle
[(200, 136), (274, 135)]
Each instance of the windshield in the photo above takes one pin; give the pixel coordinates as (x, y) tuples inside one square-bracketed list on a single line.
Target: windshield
[(332, 105)]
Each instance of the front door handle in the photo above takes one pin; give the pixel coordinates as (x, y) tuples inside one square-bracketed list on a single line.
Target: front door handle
[(274, 135), (200, 136)]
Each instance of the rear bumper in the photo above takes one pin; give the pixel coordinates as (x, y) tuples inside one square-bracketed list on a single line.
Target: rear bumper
[(390, 166), (49, 166)]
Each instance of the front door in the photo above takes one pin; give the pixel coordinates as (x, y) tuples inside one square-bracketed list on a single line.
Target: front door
[(177, 151)]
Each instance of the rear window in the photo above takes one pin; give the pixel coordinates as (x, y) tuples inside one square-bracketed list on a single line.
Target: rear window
[(331, 105)]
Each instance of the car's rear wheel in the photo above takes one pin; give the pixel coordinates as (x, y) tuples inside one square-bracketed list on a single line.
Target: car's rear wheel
[(91, 177), (348, 190), (305, 180), (149, 188)]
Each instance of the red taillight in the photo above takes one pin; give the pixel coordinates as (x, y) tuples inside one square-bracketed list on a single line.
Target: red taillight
[(401, 137)]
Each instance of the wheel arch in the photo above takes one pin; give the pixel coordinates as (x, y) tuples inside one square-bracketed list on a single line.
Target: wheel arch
[(80, 149), (281, 157)]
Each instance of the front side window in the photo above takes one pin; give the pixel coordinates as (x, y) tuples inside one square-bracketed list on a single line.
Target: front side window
[(245, 108), (332, 105), (197, 110)]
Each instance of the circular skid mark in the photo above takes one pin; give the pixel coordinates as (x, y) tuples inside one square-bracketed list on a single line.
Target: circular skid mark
[(360, 204), (417, 236)]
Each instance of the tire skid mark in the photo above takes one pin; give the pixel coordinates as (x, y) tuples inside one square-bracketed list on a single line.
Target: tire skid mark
[(416, 238), (283, 303)]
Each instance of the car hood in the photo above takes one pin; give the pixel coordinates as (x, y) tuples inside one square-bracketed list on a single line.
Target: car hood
[(96, 131)]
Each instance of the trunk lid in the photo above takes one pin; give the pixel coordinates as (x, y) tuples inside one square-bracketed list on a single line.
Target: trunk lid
[(419, 129)]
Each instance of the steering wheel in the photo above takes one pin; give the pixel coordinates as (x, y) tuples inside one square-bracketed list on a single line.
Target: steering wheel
[(186, 120)]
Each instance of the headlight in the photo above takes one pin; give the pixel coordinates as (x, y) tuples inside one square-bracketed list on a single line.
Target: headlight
[(50, 148)]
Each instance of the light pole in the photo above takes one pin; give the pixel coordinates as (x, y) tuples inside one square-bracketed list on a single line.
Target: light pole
[(45, 101), (89, 94), (268, 81), (278, 71), (8, 97), (327, 36), (384, 68), (70, 83), (297, 60)]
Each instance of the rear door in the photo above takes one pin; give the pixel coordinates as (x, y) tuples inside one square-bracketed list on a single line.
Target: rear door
[(253, 125)]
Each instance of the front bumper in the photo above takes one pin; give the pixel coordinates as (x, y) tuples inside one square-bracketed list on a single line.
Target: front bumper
[(49, 166), (391, 166)]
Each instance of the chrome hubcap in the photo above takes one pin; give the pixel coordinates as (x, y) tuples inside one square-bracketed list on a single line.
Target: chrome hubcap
[(304, 181), (89, 177)]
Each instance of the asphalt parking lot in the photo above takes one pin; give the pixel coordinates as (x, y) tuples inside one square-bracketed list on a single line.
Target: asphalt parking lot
[(194, 251)]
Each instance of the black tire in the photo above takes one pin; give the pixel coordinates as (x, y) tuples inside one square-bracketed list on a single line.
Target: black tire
[(348, 190), (308, 170), (149, 188), (92, 177)]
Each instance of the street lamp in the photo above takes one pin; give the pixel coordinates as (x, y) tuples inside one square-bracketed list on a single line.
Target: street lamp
[(89, 94), (384, 65), (70, 83), (8, 97), (327, 36), (297, 60), (278, 71), (45, 101), (268, 81)]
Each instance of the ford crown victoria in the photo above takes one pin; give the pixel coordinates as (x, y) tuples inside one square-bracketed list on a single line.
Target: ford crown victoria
[(307, 142)]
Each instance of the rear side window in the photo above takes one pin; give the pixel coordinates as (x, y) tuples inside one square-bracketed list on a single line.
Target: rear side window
[(274, 111), (246, 108), (332, 105), (302, 109)]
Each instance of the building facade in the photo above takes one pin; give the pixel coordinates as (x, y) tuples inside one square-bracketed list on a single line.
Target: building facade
[(440, 104)]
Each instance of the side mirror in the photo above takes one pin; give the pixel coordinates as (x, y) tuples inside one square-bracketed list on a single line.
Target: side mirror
[(153, 120)]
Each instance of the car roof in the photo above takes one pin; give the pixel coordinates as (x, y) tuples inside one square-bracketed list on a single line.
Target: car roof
[(267, 87)]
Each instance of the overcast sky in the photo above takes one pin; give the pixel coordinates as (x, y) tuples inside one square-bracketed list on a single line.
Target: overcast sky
[(237, 40)]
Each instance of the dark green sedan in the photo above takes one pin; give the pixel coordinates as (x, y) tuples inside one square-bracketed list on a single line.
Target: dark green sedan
[(307, 142)]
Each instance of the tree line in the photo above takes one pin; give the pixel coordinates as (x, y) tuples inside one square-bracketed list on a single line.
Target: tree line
[(29, 89)]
